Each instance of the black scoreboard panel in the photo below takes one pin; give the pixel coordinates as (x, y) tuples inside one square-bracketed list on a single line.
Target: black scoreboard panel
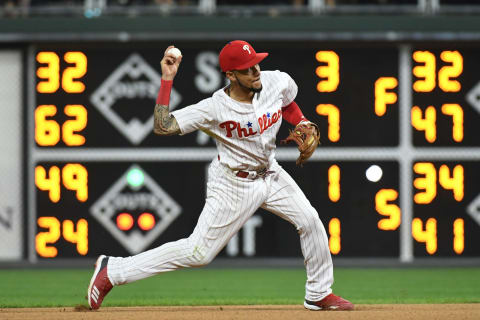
[(105, 201), (361, 217), (88, 208), (336, 87), (96, 100), (124, 201)]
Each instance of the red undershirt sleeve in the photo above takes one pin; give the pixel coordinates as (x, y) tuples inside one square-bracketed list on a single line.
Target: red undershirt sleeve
[(292, 114), (163, 97)]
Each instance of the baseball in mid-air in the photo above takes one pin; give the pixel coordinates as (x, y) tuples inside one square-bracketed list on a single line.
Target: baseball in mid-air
[(175, 52)]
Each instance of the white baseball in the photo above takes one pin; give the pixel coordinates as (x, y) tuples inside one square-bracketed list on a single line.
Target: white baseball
[(174, 52)]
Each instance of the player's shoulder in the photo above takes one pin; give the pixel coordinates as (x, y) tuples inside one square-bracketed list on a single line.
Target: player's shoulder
[(205, 102), (275, 76), (203, 105)]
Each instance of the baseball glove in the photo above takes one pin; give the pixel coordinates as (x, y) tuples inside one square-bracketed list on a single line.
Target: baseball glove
[(307, 136)]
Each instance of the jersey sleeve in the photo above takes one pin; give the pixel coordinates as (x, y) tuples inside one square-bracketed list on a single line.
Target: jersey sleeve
[(289, 89), (194, 117)]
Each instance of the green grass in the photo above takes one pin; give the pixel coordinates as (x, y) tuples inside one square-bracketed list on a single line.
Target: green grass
[(49, 288)]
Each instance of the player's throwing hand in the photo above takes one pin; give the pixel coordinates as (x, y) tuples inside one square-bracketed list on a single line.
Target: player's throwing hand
[(170, 63)]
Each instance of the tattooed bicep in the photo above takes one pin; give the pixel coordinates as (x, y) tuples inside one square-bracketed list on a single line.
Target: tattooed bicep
[(164, 123)]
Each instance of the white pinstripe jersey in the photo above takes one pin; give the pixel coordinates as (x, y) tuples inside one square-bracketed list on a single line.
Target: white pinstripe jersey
[(245, 133)]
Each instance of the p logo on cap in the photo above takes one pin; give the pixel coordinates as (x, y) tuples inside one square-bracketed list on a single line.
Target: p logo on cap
[(239, 55)]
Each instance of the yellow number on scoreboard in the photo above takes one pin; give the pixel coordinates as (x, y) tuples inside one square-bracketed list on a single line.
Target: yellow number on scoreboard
[(44, 240), (50, 74), (425, 72), (78, 71), (334, 183), (392, 211), (50, 183), (428, 236), (428, 183), (334, 230), (47, 131), (70, 127), (333, 116), (454, 182), (452, 71), (456, 111), (74, 176), (425, 123), (458, 236), (79, 237), (329, 72)]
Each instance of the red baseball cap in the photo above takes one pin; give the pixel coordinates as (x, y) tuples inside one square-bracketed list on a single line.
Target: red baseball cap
[(239, 55)]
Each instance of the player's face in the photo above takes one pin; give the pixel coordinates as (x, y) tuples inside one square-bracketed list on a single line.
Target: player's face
[(249, 78)]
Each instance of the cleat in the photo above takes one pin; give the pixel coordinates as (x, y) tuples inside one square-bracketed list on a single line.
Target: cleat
[(330, 302), (100, 285)]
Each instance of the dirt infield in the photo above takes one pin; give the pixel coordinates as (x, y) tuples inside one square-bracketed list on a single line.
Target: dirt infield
[(367, 312)]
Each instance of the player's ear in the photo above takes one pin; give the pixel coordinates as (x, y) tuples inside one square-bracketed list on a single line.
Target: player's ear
[(230, 75)]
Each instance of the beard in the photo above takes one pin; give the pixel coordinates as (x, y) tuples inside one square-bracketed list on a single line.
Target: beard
[(251, 89), (256, 90)]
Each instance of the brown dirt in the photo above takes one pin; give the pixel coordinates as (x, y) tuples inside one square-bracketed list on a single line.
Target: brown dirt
[(366, 312)]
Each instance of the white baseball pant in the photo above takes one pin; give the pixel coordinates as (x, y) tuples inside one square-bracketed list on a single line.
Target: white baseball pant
[(230, 202)]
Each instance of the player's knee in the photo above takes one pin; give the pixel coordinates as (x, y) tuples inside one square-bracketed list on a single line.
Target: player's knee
[(310, 224), (200, 257)]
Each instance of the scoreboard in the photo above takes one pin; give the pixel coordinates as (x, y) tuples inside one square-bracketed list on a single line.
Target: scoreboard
[(396, 174)]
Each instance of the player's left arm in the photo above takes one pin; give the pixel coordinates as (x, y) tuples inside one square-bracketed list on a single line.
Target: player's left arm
[(306, 133), (292, 114)]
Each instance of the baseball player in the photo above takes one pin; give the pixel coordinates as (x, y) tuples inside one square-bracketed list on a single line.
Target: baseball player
[(244, 118)]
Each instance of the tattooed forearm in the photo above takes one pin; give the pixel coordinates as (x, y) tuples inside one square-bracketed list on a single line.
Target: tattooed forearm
[(164, 123)]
